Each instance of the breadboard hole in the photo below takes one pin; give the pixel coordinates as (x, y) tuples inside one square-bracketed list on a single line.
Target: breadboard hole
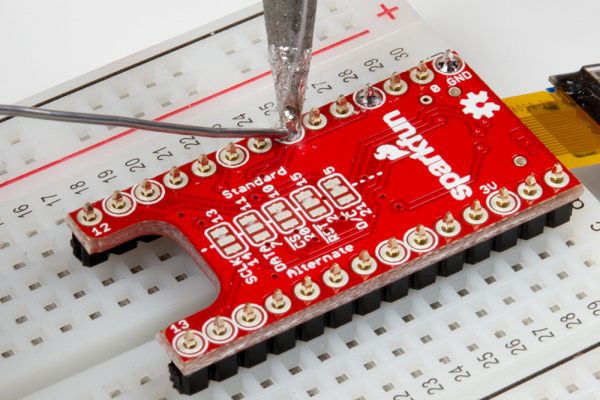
[(472, 347), (8, 354), (517, 267), (237, 396), (370, 365), (426, 339), (108, 282), (19, 265), (380, 331), (454, 326), (445, 360), (37, 341), (416, 373), (544, 254), (528, 321), (63, 274), (589, 262), (95, 315), (435, 305), (295, 370), (124, 302), (181, 277), (313, 392), (266, 383), (388, 387), (572, 388), (352, 344), (136, 269), (153, 289), (562, 275), (324, 357), (398, 352), (536, 287), (341, 378)]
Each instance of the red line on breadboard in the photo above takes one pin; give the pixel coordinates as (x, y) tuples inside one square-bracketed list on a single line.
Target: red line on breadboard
[(130, 131)]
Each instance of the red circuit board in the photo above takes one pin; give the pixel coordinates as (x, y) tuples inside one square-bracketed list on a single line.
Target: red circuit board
[(294, 210)]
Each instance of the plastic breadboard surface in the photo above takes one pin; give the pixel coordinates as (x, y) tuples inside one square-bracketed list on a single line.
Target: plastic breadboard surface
[(67, 331), (471, 335)]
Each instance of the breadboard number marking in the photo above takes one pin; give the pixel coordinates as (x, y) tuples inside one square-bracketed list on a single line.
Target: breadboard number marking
[(321, 87), (398, 53), (107, 175), (373, 64), (432, 385), (46, 200), (594, 305), (104, 228), (487, 360), (21, 210), (268, 108), (79, 187), (189, 142), (404, 395), (542, 334), (135, 164), (347, 75), (179, 326), (460, 374), (570, 321), (162, 153), (242, 119), (515, 347)]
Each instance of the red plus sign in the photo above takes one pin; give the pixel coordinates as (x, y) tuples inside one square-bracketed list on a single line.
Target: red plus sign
[(387, 12)]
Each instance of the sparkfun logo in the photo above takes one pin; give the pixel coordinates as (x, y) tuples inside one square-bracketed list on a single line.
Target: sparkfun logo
[(419, 149)]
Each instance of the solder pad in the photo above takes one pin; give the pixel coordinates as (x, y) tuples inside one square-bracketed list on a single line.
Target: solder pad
[(267, 220)]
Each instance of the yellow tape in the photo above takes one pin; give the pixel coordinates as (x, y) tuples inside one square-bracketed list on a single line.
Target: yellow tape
[(561, 125)]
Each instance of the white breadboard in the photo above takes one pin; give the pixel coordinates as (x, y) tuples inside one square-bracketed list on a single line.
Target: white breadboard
[(71, 332)]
